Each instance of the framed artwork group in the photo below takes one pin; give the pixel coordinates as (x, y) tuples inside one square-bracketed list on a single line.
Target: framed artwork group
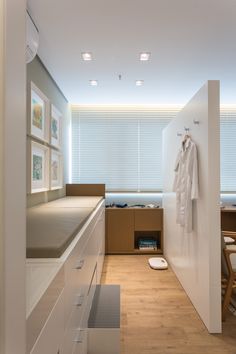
[(45, 132)]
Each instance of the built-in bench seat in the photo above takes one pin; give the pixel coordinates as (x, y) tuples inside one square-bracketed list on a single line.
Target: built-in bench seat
[(65, 249), (52, 226)]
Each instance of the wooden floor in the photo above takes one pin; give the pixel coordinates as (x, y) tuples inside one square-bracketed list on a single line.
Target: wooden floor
[(156, 314)]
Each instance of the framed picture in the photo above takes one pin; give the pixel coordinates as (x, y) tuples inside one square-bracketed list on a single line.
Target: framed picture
[(56, 170), (39, 114), (38, 167), (56, 127)]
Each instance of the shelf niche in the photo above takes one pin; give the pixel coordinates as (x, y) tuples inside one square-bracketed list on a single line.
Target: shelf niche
[(125, 226)]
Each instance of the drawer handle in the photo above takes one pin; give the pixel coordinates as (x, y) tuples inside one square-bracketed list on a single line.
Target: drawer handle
[(80, 264), (80, 336), (79, 300)]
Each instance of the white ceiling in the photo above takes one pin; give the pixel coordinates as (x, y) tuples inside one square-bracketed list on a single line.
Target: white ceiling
[(190, 41)]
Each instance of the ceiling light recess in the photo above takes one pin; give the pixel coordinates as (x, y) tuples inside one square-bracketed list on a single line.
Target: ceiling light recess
[(87, 56), (139, 82), (93, 82), (144, 56)]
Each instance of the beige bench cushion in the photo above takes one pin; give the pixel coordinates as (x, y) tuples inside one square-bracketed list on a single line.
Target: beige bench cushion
[(51, 230)]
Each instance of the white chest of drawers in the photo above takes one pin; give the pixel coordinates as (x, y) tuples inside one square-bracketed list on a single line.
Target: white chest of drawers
[(64, 331)]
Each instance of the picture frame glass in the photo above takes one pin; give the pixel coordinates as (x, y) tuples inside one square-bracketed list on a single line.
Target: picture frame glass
[(38, 167), (56, 170), (55, 127), (37, 115), (39, 112)]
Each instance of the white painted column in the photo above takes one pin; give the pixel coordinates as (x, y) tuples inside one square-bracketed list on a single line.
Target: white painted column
[(12, 176), (1, 178)]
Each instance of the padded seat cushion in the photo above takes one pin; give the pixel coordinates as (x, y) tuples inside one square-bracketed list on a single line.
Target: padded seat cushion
[(52, 226)]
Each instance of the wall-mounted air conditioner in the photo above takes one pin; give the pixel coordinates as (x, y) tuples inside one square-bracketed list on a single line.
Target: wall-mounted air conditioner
[(32, 39)]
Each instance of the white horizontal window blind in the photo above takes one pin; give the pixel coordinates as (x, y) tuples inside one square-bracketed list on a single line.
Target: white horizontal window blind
[(105, 151), (228, 150), (119, 147), (123, 147), (150, 174)]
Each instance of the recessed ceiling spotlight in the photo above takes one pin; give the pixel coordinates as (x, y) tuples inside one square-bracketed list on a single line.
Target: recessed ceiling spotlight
[(86, 56), (139, 82), (144, 56), (93, 82)]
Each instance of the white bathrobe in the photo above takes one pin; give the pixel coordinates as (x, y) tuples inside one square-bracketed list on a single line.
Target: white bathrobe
[(186, 183)]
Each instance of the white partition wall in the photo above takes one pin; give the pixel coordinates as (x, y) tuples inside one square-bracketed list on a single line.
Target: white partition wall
[(195, 257)]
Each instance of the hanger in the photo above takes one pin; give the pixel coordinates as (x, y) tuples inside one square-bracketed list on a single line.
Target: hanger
[(186, 136)]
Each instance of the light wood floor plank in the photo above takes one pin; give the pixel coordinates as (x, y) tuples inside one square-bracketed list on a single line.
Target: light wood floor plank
[(157, 317)]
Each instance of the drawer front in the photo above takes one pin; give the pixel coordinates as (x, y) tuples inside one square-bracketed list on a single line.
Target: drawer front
[(100, 248), (72, 333), (50, 339), (81, 341), (98, 234), (80, 347), (75, 337), (100, 261), (94, 243), (78, 279), (148, 220), (41, 312), (73, 280)]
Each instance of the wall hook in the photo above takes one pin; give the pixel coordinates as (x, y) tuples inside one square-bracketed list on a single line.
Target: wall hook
[(195, 121)]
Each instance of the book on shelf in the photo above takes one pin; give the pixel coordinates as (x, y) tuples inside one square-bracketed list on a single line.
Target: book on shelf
[(147, 244), (145, 248)]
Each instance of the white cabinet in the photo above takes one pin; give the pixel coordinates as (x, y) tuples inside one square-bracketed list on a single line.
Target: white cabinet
[(80, 289), (65, 331)]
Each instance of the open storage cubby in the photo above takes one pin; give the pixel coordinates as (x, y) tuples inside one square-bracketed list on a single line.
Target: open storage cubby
[(147, 237), (124, 228)]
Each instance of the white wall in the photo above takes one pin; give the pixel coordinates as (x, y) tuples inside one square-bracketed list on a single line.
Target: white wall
[(12, 176), (1, 180), (195, 257), (38, 74)]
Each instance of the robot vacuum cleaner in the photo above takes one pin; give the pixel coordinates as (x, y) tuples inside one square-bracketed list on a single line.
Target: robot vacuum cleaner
[(158, 263)]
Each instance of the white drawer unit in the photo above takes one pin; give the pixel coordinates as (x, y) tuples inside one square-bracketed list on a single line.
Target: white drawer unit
[(65, 330), (80, 264)]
